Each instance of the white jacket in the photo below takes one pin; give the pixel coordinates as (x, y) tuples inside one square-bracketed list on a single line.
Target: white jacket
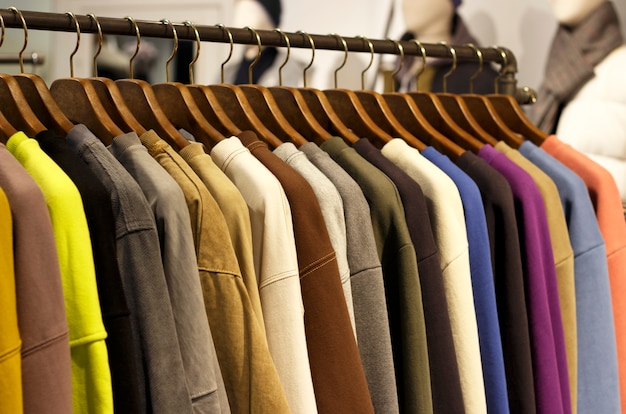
[(594, 121)]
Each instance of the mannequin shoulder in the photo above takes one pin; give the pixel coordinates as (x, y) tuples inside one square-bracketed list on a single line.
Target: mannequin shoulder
[(612, 66), (609, 82)]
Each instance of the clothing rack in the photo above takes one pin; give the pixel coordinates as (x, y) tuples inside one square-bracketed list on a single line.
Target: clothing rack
[(32, 58), (120, 26)]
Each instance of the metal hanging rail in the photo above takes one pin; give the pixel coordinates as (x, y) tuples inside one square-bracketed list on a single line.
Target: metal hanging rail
[(120, 26)]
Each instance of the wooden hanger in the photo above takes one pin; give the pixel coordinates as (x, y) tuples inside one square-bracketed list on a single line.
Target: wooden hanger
[(319, 105), (15, 106), (80, 102), (231, 102), (209, 105), (347, 104), (514, 117), (457, 108), (438, 117), (36, 91), (378, 109), (412, 118), (6, 129), (42, 103), (109, 94), (266, 107), (486, 114), (178, 104), (512, 114), (293, 106), (142, 101)]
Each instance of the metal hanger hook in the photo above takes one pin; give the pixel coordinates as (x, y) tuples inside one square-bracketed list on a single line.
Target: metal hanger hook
[(174, 51), (451, 71), (312, 42), (258, 53), (100, 41), (230, 39), (401, 50), (3, 29), (369, 65), (288, 43), (195, 58), (132, 58), (505, 61), (75, 20), (479, 54), (345, 56), (422, 50), (21, 52)]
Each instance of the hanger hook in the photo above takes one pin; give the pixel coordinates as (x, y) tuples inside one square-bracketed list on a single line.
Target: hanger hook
[(75, 20), (258, 53), (345, 56), (401, 50), (19, 13), (452, 69), (174, 51), (3, 30), (100, 41), (195, 58), (505, 61), (230, 53), (312, 42), (371, 47), (422, 50), (288, 43), (480, 65), (132, 58)]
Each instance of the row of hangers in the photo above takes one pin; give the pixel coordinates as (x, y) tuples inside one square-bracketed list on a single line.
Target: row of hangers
[(451, 123)]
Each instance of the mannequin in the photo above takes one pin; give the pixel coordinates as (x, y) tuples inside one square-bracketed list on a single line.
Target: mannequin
[(434, 21), (261, 15), (572, 12), (593, 117), (430, 20)]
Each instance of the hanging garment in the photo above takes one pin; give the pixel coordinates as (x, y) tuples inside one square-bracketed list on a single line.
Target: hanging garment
[(338, 377), (332, 210), (482, 282), (10, 341), (445, 381), (366, 280), (236, 214), (598, 377), (173, 225), (250, 376), (128, 394), (276, 267), (563, 310), (91, 378), (401, 277), (40, 305), (610, 217), (448, 225), (535, 241), (141, 268), (571, 60), (508, 280)]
